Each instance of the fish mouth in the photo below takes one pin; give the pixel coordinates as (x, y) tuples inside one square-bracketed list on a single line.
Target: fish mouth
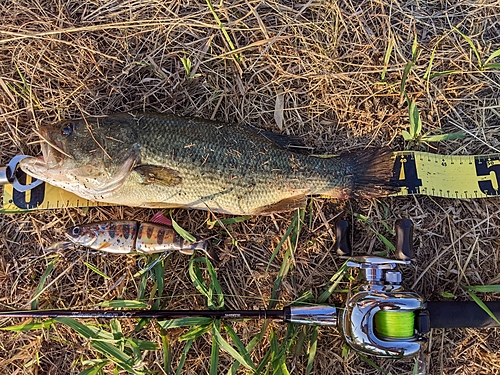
[(52, 154)]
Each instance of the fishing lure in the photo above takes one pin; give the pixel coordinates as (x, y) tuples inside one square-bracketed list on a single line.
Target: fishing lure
[(130, 236)]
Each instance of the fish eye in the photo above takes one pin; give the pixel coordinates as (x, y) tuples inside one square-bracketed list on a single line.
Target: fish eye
[(76, 231), (68, 129)]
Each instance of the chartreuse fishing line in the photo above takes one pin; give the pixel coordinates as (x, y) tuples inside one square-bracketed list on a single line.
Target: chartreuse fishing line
[(395, 324), (450, 176)]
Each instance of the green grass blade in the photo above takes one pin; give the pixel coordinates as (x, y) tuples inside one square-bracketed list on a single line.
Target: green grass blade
[(447, 295), (124, 303), (334, 282), (312, 350), (242, 356), (484, 288), (387, 57), (185, 322), (182, 360), (159, 278), (492, 66), (472, 46), (212, 292), (96, 270), (167, 351), (214, 354), (181, 231), (482, 305), (492, 56), (444, 137), (30, 326), (115, 355), (94, 370), (415, 120), (196, 332), (293, 233), (39, 289), (228, 221), (223, 30)]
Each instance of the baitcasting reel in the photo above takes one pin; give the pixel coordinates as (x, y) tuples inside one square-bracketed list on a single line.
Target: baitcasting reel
[(381, 318)]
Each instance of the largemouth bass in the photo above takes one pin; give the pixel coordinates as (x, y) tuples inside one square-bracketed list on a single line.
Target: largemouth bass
[(160, 160)]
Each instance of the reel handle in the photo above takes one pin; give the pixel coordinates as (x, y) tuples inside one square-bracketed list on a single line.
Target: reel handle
[(404, 239), (343, 233)]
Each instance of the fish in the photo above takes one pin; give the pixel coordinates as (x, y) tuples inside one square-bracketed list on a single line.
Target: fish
[(131, 237), (164, 161)]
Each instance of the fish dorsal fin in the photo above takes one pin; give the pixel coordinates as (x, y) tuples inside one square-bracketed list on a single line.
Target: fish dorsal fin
[(290, 142), (158, 175), (159, 218), (286, 204)]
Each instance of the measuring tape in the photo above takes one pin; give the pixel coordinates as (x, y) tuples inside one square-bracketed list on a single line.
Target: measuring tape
[(414, 172)]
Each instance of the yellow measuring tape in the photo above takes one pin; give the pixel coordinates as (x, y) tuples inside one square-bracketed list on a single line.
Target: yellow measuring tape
[(414, 172)]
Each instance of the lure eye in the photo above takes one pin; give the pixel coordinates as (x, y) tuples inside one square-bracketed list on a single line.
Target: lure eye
[(75, 231), (68, 129)]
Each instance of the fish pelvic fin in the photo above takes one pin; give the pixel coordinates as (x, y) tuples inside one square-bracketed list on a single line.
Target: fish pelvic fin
[(370, 173)]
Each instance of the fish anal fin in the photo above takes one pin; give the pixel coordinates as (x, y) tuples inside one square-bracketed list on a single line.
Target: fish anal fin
[(283, 205), (158, 175)]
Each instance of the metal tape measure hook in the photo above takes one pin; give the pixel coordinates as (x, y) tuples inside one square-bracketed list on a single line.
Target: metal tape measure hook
[(8, 175)]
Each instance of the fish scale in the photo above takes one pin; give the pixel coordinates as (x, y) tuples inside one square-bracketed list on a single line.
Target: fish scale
[(158, 160)]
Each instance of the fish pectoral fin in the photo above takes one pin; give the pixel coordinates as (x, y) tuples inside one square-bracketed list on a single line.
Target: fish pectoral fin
[(152, 174), (286, 204)]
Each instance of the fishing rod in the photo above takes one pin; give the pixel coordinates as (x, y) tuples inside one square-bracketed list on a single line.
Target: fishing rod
[(379, 317)]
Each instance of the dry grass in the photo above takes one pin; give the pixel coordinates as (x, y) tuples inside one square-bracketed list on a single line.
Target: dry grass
[(324, 61)]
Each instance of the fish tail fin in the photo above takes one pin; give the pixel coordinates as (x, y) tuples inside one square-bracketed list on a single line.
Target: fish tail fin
[(371, 171)]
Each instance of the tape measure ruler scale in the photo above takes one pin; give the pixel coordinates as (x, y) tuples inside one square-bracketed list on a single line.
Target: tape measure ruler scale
[(423, 173)]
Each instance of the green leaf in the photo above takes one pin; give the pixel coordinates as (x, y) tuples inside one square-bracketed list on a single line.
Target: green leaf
[(183, 356), (484, 288), (228, 221), (40, 288), (183, 233), (472, 45), (482, 305), (213, 293), (112, 353), (312, 350), (406, 136), (124, 303), (196, 332), (96, 270), (414, 49), (214, 355), (415, 120), (30, 326), (492, 66), (94, 370), (185, 322), (444, 137), (241, 358), (334, 282), (447, 295), (492, 56), (387, 57)]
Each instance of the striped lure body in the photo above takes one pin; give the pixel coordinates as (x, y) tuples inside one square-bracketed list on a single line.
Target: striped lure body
[(124, 237)]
